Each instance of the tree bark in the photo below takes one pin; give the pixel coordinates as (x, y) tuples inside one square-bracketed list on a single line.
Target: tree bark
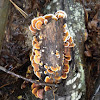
[(74, 87), (4, 6)]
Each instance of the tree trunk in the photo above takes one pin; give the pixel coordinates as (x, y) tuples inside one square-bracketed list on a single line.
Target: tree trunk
[(74, 88), (4, 5)]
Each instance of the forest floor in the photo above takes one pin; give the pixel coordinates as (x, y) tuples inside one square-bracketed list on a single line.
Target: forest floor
[(14, 55)]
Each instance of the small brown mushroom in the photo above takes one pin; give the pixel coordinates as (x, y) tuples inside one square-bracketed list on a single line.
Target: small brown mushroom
[(48, 16), (37, 52), (70, 40), (65, 30), (50, 71), (57, 54), (36, 46), (45, 22), (61, 14), (66, 68), (47, 79), (68, 58), (37, 59), (41, 63), (36, 67), (64, 76), (35, 39), (34, 91), (46, 67), (37, 22), (40, 37), (54, 17), (46, 88), (38, 25), (59, 67), (65, 26), (32, 29), (88, 53), (41, 18), (66, 44), (66, 61), (67, 54), (40, 93), (33, 22), (45, 72), (33, 61), (72, 45), (38, 74), (33, 43), (54, 68), (34, 86), (66, 36), (58, 78), (31, 57)]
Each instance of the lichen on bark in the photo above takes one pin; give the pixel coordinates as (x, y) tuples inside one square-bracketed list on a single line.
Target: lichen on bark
[(74, 87)]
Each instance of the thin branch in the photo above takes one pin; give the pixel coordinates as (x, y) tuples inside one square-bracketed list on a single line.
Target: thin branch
[(19, 9), (6, 85), (29, 80)]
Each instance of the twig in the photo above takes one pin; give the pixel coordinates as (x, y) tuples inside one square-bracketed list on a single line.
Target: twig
[(5, 85), (19, 9), (29, 80), (97, 91)]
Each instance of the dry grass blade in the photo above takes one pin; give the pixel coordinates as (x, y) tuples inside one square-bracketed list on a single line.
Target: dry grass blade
[(19, 9)]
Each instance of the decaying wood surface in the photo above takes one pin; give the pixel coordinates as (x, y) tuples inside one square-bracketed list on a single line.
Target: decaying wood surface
[(73, 88), (52, 40), (53, 36)]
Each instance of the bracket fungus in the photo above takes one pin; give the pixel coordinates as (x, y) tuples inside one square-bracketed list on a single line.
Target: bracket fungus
[(52, 45)]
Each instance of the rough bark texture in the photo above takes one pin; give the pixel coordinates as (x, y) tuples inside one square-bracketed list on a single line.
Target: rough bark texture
[(53, 40), (74, 87), (4, 5)]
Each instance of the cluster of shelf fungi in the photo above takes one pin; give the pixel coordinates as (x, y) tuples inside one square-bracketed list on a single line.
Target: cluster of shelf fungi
[(51, 50)]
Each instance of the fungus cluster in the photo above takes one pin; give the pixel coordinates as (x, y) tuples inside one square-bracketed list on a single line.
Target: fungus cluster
[(37, 90), (50, 72)]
